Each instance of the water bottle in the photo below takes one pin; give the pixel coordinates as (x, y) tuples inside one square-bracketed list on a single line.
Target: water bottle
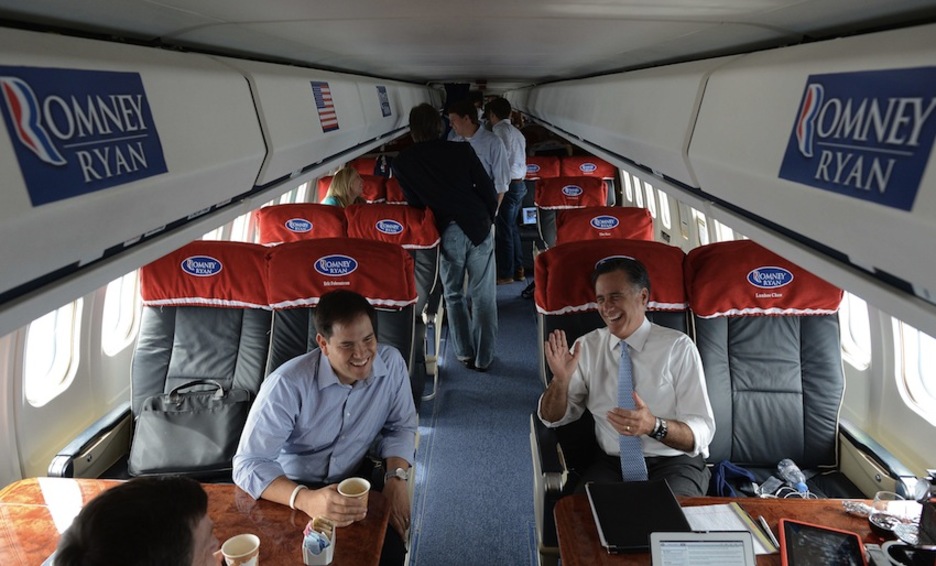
[(790, 472)]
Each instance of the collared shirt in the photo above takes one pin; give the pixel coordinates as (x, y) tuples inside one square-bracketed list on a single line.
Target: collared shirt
[(667, 375), (308, 426), (516, 147), (493, 155)]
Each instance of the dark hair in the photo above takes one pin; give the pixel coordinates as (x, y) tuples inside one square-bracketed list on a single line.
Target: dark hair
[(464, 108), (341, 306), (500, 107), (635, 271), (144, 522), (425, 123), (475, 97)]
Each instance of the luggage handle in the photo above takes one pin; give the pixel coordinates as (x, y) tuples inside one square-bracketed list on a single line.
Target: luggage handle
[(176, 393)]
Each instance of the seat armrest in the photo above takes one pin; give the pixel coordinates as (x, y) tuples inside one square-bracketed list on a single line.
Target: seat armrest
[(548, 460), (117, 421), (906, 479)]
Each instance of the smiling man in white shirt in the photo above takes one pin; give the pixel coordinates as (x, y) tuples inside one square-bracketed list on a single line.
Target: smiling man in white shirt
[(672, 417)]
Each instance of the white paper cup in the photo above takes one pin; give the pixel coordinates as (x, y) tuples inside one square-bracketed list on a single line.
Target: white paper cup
[(357, 488), (241, 550)]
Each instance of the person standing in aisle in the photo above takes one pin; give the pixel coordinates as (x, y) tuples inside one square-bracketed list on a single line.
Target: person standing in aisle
[(507, 244)]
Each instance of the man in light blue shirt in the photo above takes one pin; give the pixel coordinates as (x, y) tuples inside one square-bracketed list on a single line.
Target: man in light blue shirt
[(487, 146), (317, 415)]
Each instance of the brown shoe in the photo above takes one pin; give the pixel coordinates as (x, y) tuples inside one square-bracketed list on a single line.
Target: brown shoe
[(519, 275), (504, 280)]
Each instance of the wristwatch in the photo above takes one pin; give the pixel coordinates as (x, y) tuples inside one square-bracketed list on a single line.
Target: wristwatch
[(400, 473), (660, 430)]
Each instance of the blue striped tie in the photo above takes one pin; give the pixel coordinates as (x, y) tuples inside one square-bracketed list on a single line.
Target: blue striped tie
[(633, 467)]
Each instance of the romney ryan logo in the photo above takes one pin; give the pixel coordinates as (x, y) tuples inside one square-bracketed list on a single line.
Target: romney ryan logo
[(201, 266), (588, 168), (299, 225), (770, 277), (604, 222), (532, 168), (390, 227), (866, 135), (572, 191), (75, 132), (336, 265)]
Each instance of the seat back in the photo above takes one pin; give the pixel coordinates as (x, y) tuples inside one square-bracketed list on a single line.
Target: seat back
[(301, 272), (394, 192), (565, 299), (603, 222), (542, 167), (301, 221), (372, 191), (376, 165), (415, 230), (590, 166), (561, 193), (768, 335)]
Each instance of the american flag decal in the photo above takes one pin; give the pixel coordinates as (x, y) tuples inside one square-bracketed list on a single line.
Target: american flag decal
[(326, 107)]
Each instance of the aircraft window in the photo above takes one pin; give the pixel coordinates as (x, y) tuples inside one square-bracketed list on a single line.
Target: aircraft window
[(121, 305), (51, 354), (701, 226), (302, 192), (723, 233), (215, 234), (665, 210), (241, 228), (918, 372), (638, 193), (628, 190), (651, 200), (855, 330)]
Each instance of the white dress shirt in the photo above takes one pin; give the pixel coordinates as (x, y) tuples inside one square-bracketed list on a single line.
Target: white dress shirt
[(667, 376), (493, 155), (516, 147)]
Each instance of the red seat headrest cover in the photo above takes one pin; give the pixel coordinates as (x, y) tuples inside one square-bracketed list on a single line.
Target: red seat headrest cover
[(570, 192), (301, 272), (406, 226), (586, 165), (542, 167), (563, 274), (603, 222), (394, 192), (300, 221), (207, 273), (741, 278)]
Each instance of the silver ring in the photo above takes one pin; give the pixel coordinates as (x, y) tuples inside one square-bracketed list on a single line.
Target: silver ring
[(627, 428)]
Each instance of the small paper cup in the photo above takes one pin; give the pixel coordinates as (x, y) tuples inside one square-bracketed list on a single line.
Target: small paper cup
[(241, 550), (356, 488)]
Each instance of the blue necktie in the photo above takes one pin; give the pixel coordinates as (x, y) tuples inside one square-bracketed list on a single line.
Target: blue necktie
[(633, 467)]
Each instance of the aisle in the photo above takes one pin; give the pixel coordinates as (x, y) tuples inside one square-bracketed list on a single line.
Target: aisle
[(473, 503)]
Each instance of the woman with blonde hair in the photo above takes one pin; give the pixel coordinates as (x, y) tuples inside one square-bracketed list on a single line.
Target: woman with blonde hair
[(345, 189)]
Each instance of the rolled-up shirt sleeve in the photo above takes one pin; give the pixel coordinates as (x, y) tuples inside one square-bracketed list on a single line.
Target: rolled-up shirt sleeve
[(398, 438), (692, 402), (271, 421)]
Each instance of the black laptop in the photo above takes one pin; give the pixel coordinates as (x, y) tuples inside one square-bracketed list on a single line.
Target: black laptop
[(627, 512)]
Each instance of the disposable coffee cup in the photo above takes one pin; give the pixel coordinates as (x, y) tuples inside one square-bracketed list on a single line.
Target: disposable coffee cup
[(357, 488), (241, 550)]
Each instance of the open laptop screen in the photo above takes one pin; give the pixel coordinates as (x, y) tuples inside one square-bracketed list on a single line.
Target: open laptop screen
[(702, 549)]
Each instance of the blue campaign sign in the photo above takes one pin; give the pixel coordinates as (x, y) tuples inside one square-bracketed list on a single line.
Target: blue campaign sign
[(76, 132), (866, 135), (384, 99)]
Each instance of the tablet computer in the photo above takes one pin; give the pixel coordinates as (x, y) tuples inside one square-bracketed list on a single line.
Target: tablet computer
[(805, 544), (723, 548)]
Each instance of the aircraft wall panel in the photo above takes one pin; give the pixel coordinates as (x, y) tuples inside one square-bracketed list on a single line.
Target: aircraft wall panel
[(832, 140), (105, 142), (385, 104), (408, 96), (646, 116)]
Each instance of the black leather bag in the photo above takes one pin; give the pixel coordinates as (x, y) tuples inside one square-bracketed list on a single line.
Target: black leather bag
[(189, 432)]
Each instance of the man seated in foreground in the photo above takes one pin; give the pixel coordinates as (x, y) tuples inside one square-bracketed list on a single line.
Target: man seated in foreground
[(664, 416), (317, 415), (150, 521)]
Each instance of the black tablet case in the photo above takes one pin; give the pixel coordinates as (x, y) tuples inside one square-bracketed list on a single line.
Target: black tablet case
[(627, 512)]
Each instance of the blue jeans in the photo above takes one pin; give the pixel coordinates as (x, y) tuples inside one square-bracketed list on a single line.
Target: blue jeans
[(509, 249), (474, 336)]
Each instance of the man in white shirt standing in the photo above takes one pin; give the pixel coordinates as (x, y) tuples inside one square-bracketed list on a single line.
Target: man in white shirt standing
[(489, 148), (672, 416), (507, 246)]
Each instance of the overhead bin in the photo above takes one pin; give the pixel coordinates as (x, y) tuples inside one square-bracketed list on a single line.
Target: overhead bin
[(646, 116), (307, 115), (107, 142), (833, 141), (386, 104)]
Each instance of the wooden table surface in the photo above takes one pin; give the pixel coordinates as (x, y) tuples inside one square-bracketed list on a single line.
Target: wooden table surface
[(34, 512)]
